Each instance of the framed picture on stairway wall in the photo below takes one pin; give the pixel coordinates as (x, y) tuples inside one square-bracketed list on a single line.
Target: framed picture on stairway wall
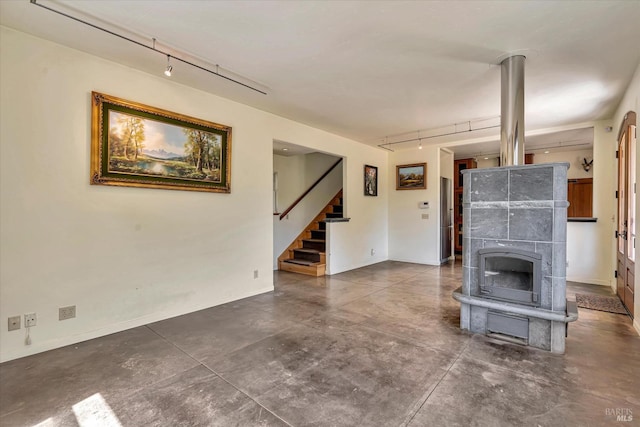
[(135, 145), (370, 180)]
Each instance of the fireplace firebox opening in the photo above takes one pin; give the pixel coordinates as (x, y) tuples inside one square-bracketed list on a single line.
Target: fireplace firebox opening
[(509, 274)]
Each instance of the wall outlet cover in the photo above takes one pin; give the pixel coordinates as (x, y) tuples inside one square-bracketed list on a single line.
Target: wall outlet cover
[(30, 320), (14, 323), (68, 312)]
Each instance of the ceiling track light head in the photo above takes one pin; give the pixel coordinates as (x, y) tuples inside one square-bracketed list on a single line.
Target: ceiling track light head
[(169, 69)]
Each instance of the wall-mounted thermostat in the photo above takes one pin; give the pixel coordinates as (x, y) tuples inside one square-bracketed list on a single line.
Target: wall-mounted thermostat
[(423, 205)]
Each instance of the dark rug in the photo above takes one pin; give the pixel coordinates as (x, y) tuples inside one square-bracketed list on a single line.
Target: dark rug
[(601, 303)]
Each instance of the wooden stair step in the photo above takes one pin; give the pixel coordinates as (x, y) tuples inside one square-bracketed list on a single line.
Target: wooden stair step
[(312, 269), (308, 254), (318, 244), (306, 250), (300, 261)]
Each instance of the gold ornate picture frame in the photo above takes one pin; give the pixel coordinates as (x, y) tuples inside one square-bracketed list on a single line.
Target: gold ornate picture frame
[(135, 145)]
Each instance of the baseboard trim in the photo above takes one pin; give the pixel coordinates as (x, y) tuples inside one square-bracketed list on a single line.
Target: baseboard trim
[(417, 261), (590, 281), (52, 344), (342, 268)]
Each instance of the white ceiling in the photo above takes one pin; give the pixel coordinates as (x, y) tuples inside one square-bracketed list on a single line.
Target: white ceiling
[(287, 149), (368, 69)]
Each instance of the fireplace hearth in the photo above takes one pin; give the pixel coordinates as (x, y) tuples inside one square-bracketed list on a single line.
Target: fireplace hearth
[(514, 254)]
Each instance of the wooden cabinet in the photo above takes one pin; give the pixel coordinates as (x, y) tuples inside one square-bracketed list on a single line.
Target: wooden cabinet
[(528, 159), (458, 183), (580, 197), (458, 167)]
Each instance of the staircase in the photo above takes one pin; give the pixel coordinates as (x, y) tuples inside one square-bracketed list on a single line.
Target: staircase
[(306, 255)]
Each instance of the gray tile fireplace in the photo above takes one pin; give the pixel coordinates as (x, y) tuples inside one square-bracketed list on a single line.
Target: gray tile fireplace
[(514, 254)]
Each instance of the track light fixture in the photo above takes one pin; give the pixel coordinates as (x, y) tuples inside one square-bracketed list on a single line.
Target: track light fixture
[(167, 72), (153, 48), (469, 126)]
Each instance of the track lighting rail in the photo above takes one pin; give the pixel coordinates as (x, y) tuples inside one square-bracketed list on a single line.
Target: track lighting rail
[(153, 48), (419, 138)]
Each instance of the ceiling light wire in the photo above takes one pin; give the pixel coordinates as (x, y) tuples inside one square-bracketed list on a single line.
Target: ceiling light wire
[(153, 48)]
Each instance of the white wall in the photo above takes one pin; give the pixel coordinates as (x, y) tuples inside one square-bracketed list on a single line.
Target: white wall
[(412, 238), (491, 162), (589, 245), (316, 164), (446, 164), (291, 184), (347, 251), (128, 256), (631, 102), (574, 158)]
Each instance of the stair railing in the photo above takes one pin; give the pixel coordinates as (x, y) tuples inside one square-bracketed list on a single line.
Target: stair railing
[(299, 199)]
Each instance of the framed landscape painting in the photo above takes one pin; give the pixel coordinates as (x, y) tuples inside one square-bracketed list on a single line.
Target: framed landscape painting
[(370, 180), (411, 177), (136, 145)]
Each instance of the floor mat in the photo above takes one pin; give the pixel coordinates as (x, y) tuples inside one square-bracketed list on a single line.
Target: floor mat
[(600, 303)]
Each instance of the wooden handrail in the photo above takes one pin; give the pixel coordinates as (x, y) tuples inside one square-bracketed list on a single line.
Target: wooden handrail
[(293, 205)]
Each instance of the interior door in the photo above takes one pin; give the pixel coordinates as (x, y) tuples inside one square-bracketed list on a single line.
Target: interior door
[(626, 254)]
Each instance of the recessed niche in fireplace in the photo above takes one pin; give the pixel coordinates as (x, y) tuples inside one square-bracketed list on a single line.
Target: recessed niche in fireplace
[(510, 274)]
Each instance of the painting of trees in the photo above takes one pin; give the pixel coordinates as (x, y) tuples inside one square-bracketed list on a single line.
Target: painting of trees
[(137, 145), (129, 141), (202, 149)]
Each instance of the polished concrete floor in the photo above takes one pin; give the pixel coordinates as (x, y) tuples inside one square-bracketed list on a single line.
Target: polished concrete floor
[(377, 346)]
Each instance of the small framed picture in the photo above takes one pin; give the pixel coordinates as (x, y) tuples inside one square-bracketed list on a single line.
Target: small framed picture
[(411, 177), (370, 180)]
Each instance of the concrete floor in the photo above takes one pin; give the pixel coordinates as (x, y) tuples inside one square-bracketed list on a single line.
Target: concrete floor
[(377, 346)]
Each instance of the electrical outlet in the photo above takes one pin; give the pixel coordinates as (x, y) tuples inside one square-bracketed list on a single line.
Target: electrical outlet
[(68, 312), (255, 274), (14, 323), (373, 252), (30, 320)]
